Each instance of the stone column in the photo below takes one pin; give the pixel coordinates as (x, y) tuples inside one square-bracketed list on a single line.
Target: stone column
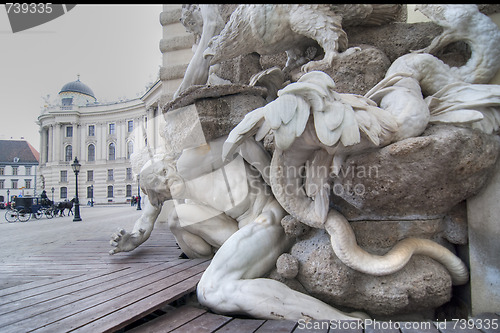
[(56, 143), (103, 148), (75, 143), (483, 213), (43, 145)]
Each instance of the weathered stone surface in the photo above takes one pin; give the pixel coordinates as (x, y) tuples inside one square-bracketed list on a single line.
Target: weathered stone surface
[(238, 70), (293, 227), (287, 266), (394, 39), (417, 178), (202, 114), (421, 285), (359, 72)]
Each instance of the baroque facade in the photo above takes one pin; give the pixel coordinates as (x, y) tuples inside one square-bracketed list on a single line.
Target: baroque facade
[(102, 137)]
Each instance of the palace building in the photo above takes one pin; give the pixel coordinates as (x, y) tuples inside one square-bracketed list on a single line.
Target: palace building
[(102, 137)]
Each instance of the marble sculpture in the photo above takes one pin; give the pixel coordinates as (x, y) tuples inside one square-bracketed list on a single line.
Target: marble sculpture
[(313, 127)]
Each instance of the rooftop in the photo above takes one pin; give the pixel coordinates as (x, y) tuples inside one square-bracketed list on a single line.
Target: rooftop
[(17, 150)]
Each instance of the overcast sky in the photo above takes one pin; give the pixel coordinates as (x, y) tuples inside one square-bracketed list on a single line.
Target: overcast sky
[(114, 49)]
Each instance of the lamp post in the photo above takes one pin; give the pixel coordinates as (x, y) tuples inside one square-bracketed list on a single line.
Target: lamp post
[(92, 195), (52, 189), (138, 194), (8, 196), (76, 169)]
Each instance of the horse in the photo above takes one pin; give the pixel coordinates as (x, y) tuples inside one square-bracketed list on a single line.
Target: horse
[(61, 206)]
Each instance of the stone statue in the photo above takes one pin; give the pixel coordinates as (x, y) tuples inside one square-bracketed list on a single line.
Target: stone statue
[(285, 26), (252, 211)]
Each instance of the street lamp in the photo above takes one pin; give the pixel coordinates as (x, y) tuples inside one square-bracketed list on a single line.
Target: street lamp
[(92, 195), (76, 169), (138, 194), (8, 195), (52, 189)]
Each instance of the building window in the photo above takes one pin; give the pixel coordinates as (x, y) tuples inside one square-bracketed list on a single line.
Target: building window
[(91, 153), (110, 191), (28, 170), (68, 153), (130, 148), (91, 130), (128, 175), (90, 192), (14, 171), (130, 126), (2, 183), (64, 176), (63, 192), (69, 131), (14, 183), (111, 152), (27, 183), (2, 171), (90, 175), (110, 174), (112, 129), (129, 190)]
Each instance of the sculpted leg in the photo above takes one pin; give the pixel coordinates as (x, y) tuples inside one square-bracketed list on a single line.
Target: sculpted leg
[(232, 284)]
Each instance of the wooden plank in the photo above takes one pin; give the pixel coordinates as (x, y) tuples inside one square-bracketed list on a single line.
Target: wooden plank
[(277, 326), (169, 321), (313, 326), (241, 326), (381, 327), (45, 286), (43, 295), (454, 327), (347, 326), (115, 320), (487, 322), (418, 327), (206, 323), (117, 311), (74, 303)]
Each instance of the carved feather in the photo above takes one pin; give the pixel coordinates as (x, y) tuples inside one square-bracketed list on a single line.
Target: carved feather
[(463, 103)]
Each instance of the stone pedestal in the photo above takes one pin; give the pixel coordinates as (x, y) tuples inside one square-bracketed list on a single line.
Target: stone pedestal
[(484, 246)]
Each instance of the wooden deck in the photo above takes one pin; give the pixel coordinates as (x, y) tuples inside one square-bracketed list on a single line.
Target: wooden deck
[(79, 287), (187, 319)]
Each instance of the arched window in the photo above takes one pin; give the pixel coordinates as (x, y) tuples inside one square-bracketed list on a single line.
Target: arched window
[(110, 191), (91, 153), (68, 153), (130, 148), (111, 152)]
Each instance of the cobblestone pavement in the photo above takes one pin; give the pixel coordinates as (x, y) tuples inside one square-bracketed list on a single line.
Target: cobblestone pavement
[(20, 239)]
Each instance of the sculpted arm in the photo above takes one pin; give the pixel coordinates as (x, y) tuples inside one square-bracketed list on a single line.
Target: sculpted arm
[(124, 241)]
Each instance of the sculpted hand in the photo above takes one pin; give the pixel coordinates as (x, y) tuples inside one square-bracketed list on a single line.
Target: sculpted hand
[(124, 241)]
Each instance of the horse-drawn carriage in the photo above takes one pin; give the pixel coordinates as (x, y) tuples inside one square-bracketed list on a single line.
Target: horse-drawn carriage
[(26, 207)]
